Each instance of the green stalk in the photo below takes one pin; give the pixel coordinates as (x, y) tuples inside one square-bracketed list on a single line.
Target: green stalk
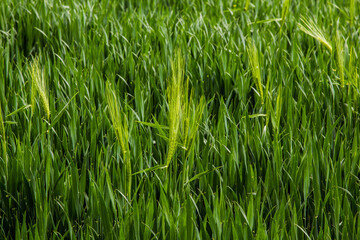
[(3, 140)]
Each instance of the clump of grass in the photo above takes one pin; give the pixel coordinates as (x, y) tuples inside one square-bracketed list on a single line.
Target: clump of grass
[(38, 86), (64, 185), (255, 67), (310, 28), (120, 125), (340, 56), (184, 114), (174, 96)]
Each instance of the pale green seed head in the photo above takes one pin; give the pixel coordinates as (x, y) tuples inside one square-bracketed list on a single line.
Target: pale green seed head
[(38, 84), (340, 56), (255, 66), (309, 27)]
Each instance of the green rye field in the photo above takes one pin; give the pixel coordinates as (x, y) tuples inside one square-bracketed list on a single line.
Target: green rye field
[(168, 119)]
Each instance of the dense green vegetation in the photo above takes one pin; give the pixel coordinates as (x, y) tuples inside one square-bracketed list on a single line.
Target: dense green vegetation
[(170, 119)]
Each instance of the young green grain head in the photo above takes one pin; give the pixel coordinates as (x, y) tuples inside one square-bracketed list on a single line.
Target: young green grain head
[(352, 68), (120, 125), (38, 86), (255, 67), (174, 95), (352, 9), (310, 28), (340, 56), (247, 3), (285, 11)]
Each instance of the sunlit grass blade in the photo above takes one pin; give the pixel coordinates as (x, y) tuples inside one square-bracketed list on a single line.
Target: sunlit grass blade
[(309, 27), (18, 110)]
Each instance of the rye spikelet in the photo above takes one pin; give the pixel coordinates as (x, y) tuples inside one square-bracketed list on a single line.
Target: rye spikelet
[(38, 86), (340, 56), (255, 67), (310, 28), (174, 95), (352, 9), (247, 3), (352, 68), (285, 10)]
